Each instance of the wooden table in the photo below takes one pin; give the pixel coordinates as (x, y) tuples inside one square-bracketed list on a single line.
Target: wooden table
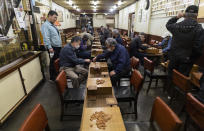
[(195, 78), (114, 124), (96, 52), (98, 96)]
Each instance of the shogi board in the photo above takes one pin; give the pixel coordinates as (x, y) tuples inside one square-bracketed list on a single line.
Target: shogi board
[(104, 88), (103, 67), (96, 52), (96, 46), (96, 43), (114, 124)]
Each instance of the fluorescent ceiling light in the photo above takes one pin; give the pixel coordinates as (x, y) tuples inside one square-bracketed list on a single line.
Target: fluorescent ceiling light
[(114, 7), (70, 2), (119, 2), (111, 10), (74, 6), (95, 2), (94, 7), (78, 9)]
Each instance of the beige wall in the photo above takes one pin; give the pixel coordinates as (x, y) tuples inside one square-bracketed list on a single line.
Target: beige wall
[(67, 21), (124, 16), (98, 22)]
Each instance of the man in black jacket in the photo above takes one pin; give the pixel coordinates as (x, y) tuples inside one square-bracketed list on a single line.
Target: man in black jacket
[(187, 41), (136, 46), (71, 64)]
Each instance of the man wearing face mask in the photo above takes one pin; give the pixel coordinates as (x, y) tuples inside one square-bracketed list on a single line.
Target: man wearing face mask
[(52, 40), (116, 36), (136, 46), (82, 52), (119, 58), (71, 64)]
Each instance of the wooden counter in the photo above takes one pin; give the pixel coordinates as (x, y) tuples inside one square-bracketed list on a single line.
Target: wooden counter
[(17, 80)]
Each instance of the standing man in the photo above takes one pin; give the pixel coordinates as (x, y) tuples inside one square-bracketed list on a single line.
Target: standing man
[(187, 41), (52, 40), (71, 64)]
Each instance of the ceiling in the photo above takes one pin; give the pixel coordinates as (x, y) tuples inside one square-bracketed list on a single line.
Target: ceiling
[(87, 6)]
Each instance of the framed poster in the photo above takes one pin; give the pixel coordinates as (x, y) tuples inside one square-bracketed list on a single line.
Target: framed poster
[(60, 16), (201, 9)]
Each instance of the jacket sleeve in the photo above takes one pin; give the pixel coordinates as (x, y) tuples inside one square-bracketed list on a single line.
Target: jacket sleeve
[(197, 49), (171, 24), (72, 56), (162, 43), (121, 62), (168, 47), (46, 37), (104, 55)]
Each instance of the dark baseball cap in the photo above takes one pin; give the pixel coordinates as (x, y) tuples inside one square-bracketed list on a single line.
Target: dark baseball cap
[(192, 9)]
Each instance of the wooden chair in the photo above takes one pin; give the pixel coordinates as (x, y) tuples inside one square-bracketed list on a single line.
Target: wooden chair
[(152, 73), (195, 112), (165, 118), (127, 94), (57, 66), (68, 95), (36, 121), (134, 63), (181, 82)]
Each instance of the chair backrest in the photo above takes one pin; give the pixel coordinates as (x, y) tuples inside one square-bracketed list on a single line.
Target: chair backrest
[(137, 80), (165, 118), (195, 109), (61, 82), (181, 81), (148, 65), (56, 65), (134, 62), (36, 121)]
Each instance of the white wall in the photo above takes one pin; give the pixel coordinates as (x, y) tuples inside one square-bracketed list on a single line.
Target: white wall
[(124, 16), (98, 22), (67, 21), (116, 20)]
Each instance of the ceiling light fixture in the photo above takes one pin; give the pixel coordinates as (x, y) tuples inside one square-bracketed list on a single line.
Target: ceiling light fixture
[(115, 6), (74, 6), (69, 2), (95, 2), (94, 7), (119, 2), (111, 10), (78, 9)]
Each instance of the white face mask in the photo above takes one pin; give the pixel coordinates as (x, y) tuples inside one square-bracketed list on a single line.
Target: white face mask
[(109, 50), (77, 47)]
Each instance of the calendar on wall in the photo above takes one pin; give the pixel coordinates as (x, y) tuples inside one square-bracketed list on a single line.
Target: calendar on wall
[(169, 7)]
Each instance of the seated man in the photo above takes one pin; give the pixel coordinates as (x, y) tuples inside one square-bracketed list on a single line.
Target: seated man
[(90, 37), (119, 58), (116, 36), (165, 45), (136, 46), (83, 52), (71, 64)]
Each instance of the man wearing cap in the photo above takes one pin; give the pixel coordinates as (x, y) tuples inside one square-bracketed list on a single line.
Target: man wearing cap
[(187, 41)]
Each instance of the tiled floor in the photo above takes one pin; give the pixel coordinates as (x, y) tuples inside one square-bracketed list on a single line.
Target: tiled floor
[(47, 95)]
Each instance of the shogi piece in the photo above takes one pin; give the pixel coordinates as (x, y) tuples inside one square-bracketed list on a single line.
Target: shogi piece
[(96, 52), (152, 50), (103, 85), (96, 47)]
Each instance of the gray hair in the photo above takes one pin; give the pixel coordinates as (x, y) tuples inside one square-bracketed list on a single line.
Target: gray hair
[(115, 31), (111, 42)]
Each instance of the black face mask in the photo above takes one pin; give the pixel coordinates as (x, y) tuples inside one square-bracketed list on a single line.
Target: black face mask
[(114, 37)]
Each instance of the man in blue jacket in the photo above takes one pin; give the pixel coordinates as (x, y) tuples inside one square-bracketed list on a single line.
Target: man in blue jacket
[(116, 36), (119, 58), (71, 64)]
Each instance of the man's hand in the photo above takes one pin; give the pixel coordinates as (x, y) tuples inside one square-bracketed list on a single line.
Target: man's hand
[(51, 50), (94, 59), (87, 60), (112, 73), (180, 15)]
